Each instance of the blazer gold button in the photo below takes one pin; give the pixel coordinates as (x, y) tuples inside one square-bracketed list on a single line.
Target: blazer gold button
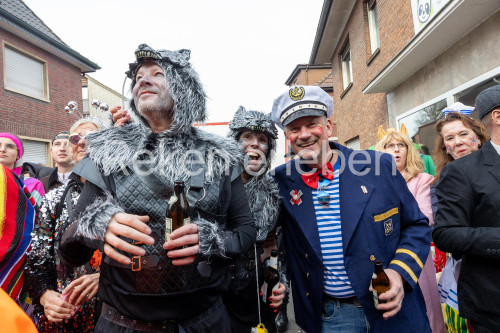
[(307, 294), (372, 257), (307, 255), (307, 274)]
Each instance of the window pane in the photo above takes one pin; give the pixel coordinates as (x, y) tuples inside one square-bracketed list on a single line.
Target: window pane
[(24, 74), (420, 124), (373, 27), (346, 66)]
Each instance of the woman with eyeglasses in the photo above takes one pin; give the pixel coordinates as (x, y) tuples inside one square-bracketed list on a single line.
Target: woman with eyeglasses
[(11, 151), (458, 136), (411, 167), (64, 297)]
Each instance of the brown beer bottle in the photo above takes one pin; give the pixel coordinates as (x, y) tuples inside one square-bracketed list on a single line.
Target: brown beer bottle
[(380, 282), (272, 279), (177, 213)]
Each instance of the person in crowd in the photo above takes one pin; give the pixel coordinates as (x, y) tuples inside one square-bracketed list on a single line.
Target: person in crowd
[(257, 135), (458, 136), (63, 157), (16, 222), (64, 297), (423, 152), (11, 150), (467, 222), (146, 282), (411, 167), (337, 224)]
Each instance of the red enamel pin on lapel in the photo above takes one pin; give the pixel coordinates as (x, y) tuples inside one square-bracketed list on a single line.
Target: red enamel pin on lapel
[(296, 194)]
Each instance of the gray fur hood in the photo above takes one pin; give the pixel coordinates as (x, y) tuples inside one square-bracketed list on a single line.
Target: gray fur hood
[(116, 148), (183, 82)]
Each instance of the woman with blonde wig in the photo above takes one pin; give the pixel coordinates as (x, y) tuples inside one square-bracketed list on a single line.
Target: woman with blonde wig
[(410, 165)]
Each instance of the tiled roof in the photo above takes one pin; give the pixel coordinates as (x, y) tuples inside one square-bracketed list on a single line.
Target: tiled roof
[(19, 9)]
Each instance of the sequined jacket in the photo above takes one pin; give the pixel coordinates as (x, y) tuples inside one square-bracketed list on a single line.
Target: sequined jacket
[(44, 269)]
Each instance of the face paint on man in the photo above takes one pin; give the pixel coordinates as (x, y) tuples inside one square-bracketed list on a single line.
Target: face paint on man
[(255, 145)]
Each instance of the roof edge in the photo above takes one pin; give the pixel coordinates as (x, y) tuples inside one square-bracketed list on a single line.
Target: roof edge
[(61, 47), (325, 11), (299, 67)]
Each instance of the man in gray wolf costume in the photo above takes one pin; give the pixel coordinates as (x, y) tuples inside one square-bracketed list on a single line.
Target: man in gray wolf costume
[(257, 135), (146, 283)]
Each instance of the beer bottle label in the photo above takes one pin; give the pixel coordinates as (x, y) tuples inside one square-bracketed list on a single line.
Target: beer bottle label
[(187, 221), (375, 298), (264, 293), (173, 199), (168, 228)]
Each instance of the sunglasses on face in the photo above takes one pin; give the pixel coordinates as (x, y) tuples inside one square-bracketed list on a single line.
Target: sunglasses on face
[(74, 138)]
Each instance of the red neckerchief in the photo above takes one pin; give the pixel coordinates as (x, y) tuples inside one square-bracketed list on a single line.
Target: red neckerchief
[(312, 179)]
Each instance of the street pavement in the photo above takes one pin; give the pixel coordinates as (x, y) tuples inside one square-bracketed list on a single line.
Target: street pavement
[(292, 325)]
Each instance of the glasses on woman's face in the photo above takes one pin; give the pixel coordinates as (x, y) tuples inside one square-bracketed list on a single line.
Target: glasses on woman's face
[(74, 138), (393, 146), (323, 197)]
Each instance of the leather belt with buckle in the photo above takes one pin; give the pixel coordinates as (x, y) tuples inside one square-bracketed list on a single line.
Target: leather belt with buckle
[(137, 263)]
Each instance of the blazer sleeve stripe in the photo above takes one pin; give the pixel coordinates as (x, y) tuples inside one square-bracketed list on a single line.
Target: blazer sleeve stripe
[(406, 268), (411, 254)]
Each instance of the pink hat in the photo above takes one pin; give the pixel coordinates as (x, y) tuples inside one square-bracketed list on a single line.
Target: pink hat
[(16, 141)]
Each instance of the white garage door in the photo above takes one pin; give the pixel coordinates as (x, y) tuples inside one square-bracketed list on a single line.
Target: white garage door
[(35, 152)]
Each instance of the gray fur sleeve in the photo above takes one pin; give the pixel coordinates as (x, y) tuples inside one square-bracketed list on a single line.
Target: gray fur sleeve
[(211, 241), (92, 223), (215, 241)]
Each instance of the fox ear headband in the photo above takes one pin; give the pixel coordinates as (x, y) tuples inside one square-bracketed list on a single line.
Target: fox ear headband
[(381, 133)]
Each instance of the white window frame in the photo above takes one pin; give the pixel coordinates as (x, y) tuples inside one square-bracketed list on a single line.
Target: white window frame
[(8, 84), (345, 58), (371, 7)]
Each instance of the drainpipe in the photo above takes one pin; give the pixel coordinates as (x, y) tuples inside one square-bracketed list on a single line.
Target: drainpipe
[(307, 75)]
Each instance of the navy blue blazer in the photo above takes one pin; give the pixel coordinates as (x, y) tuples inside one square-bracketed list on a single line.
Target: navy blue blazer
[(383, 224)]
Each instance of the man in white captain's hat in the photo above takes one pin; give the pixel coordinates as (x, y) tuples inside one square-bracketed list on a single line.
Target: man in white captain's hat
[(342, 211)]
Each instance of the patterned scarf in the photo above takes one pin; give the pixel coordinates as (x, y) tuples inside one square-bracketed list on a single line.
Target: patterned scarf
[(16, 222)]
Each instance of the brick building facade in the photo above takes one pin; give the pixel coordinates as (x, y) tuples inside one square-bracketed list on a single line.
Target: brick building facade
[(27, 41), (391, 64)]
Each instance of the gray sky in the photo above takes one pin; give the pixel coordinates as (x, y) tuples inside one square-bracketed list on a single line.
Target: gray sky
[(243, 50)]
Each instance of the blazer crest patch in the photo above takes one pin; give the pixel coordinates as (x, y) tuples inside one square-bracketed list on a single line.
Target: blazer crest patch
[(388, 227)]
